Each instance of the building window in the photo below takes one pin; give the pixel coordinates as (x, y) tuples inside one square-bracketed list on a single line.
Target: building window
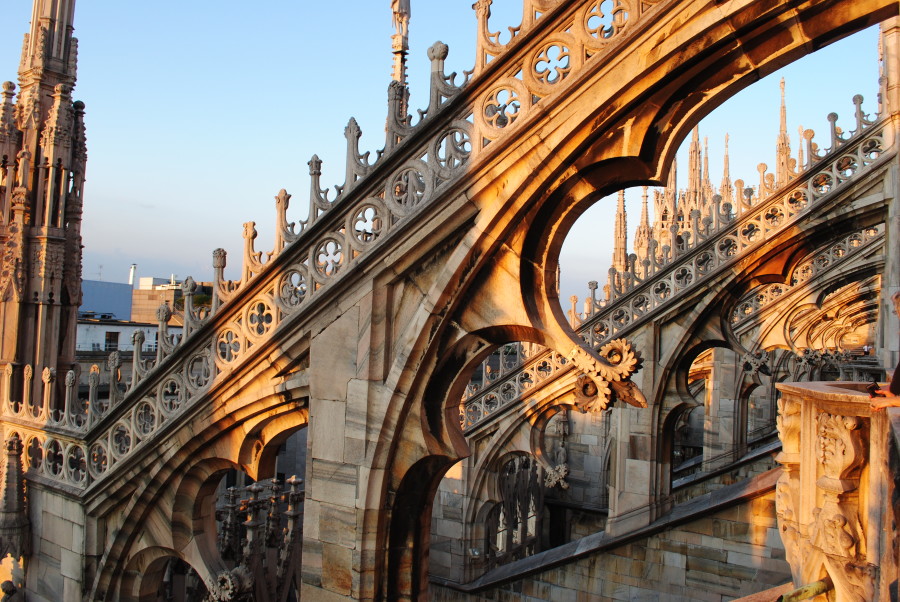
[(112, 341)]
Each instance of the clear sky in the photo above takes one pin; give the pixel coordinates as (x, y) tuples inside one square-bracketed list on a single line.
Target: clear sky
[(199, 112)]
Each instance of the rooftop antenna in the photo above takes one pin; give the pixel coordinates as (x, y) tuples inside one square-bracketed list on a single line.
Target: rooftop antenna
[(100, 272)]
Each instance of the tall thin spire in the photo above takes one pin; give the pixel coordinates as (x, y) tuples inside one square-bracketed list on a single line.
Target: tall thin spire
[(782, 146), (695, 176), (705, 161), (664, 204), (693, 196), (707, 187), (725, 187), (672, 182), (643, 233), (783, 122), (620, 243)]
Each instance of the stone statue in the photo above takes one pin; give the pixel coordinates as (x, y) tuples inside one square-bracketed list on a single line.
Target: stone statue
[(401, 11), (561, 456), (562, 423), (10, 593)]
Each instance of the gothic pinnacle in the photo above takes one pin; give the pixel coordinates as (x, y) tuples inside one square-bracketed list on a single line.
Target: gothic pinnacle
[(783, 145)]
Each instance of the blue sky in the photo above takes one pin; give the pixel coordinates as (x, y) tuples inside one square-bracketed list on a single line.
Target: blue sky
[(199, 112)]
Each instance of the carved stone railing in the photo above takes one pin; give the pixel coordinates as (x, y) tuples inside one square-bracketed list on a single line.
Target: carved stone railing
[(833, 500), (822, 260), (79, 441), (710, 246), (516, 385)]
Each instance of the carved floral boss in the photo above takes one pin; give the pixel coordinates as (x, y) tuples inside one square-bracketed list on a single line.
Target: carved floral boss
[(607, 380)]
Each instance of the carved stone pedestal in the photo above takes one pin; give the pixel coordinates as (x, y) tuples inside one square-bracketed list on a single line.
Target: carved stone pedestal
[(833, 499)]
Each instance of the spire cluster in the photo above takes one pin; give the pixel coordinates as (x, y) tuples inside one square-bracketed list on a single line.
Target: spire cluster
[(676, 209)]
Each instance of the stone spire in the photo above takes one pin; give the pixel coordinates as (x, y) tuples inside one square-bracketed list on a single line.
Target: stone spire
[(782, 146), (725, 188), (40, 215), (707, 187), (705, 161), (644, 233), (694, 161), (695, 174), (620, 247), (620, 242), (665, 206)]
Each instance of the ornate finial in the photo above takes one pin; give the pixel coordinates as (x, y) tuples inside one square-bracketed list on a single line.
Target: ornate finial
[(482, 6), (315, 166), (219, 256), (282, 199), (188, 286), (352, 128), (438, 52), (164, 313)]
